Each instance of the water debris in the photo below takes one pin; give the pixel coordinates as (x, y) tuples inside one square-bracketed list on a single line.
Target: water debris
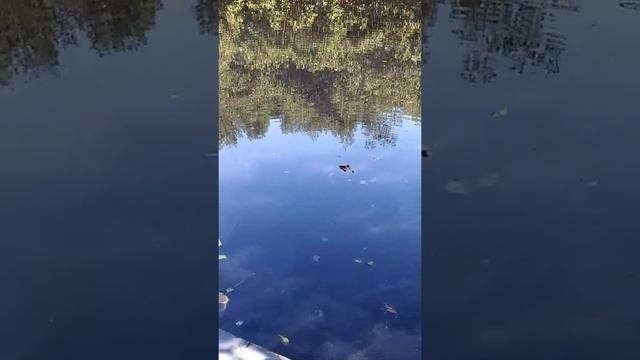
[(228, 290), (456, 186), (239, 323), (363, 182), (389, 309), (425, 152), (631, 5), (377, 158), (284, 340), (500, 113), (316, 258), (175, 97), (222, 298), (364, 248), (489, 180), (372, 180), (286, 171), (370, 263), (219, 242), (324, 239), (346, 167), (222, 257), (358, 261), (590, 184)]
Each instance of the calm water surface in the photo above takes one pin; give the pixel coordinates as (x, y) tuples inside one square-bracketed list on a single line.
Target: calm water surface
[(108, 199), (314, 253), (538, 259)]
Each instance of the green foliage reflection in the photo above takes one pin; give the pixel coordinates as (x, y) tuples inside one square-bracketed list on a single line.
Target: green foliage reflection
[(318, 66)]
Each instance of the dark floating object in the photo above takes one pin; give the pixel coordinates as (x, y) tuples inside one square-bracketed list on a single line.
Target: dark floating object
[(346, 167), (425, 152)]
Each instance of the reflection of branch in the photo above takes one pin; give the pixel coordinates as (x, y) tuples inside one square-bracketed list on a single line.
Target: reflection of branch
[(517, 30)]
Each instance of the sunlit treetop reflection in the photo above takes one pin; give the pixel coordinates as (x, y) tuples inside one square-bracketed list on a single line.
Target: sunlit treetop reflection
[(318, 66)]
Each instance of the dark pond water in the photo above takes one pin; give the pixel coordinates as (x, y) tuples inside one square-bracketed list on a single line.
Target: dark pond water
[(109, 197), (539, 258), (314, 253), (108, 203)]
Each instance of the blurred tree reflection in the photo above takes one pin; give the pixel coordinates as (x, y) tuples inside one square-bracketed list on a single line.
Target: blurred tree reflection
[(33, 31), (519, 31)]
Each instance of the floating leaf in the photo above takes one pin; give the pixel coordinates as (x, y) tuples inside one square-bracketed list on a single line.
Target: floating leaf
[(346, 167), (239, 323), (390, 309), (358, 261), (284, 340), (316, 258), (222, 298), (228, 290), (222, 257), (370, 262), (219, 243)]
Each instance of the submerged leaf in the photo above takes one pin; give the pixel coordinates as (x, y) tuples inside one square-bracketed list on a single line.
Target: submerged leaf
[(489, 180), (500, 113), (284, 340), (456, 186)]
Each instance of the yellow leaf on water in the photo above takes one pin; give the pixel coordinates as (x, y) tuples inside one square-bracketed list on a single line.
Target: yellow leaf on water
[(284, 340)]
